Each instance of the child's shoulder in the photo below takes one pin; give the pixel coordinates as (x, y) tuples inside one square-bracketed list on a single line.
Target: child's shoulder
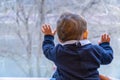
[(95, 46), (100, 47)]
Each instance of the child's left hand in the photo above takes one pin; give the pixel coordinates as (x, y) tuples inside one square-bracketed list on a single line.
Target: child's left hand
[(105, 38), (46, 29)]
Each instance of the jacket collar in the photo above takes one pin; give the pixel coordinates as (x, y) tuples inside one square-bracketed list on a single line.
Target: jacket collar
[(82, 42)]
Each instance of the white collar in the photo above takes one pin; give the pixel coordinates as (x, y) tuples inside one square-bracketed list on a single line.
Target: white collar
[(82, 42)]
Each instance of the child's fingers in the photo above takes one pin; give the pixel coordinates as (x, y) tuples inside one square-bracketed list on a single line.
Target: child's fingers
[(43, 29), (105, 38), (108, 38), (54, 32), (48, 26), (46, 29), (45, 26)]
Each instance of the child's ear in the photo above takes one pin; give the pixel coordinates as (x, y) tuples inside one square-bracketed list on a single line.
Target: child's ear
[(85, 34)]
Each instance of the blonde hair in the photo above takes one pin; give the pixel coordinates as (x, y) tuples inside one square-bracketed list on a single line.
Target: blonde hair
[(70, 27)]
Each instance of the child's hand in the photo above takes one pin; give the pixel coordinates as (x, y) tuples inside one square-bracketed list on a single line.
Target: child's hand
[(102, 77), (105, 38), (46, 29)]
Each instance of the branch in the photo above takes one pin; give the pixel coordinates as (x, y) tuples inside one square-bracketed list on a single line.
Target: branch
[(29, 12), (21, 38), (18, 14), (25, 20), (18, 30), (41, 13), (21, 12), (105, 7), (89, 5)]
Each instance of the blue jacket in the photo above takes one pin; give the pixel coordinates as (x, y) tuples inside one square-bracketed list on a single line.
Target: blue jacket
[(77, 62)]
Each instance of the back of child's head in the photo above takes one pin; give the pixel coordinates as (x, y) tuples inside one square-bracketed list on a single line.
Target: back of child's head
[(70, 27)]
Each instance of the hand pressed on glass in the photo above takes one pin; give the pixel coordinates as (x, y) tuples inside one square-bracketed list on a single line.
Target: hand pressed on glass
[(46, 29), (105, 38)]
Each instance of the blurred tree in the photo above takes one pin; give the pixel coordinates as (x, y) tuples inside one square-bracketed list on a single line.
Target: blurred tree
[(28, 19), (23, 15)]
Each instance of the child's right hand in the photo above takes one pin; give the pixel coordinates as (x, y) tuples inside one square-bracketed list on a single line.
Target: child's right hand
[(46, 29), (105, 38)]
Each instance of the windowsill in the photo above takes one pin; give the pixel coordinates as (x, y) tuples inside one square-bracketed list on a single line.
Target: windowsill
[(24, 78)]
